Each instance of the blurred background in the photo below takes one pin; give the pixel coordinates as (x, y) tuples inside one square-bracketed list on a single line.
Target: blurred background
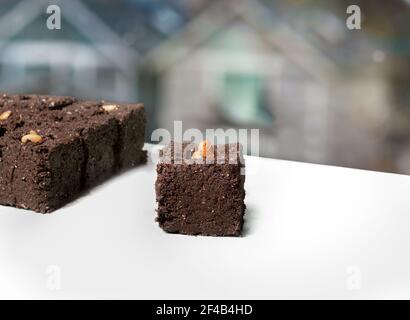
[(317, 91)]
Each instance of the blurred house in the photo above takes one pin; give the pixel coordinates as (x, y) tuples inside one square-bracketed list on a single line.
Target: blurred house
[(317, 91), (97, 52), (85, 58), (238, 64)]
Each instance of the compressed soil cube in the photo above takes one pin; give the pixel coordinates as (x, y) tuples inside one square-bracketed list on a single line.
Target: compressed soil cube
[(200, 189), (54, 148)]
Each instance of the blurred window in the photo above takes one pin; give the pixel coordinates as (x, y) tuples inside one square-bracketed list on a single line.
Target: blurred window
[(243, 98)]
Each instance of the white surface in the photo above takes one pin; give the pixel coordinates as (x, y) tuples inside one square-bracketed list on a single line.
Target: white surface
[(311, 232)]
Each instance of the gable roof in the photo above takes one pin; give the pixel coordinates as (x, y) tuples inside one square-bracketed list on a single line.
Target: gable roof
[(89, 25), (270, 28)]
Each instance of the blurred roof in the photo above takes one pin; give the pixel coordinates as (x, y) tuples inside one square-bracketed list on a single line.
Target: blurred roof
[(25, 22), (141, 24), (275, 29), (144, 24), (319, 24)]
